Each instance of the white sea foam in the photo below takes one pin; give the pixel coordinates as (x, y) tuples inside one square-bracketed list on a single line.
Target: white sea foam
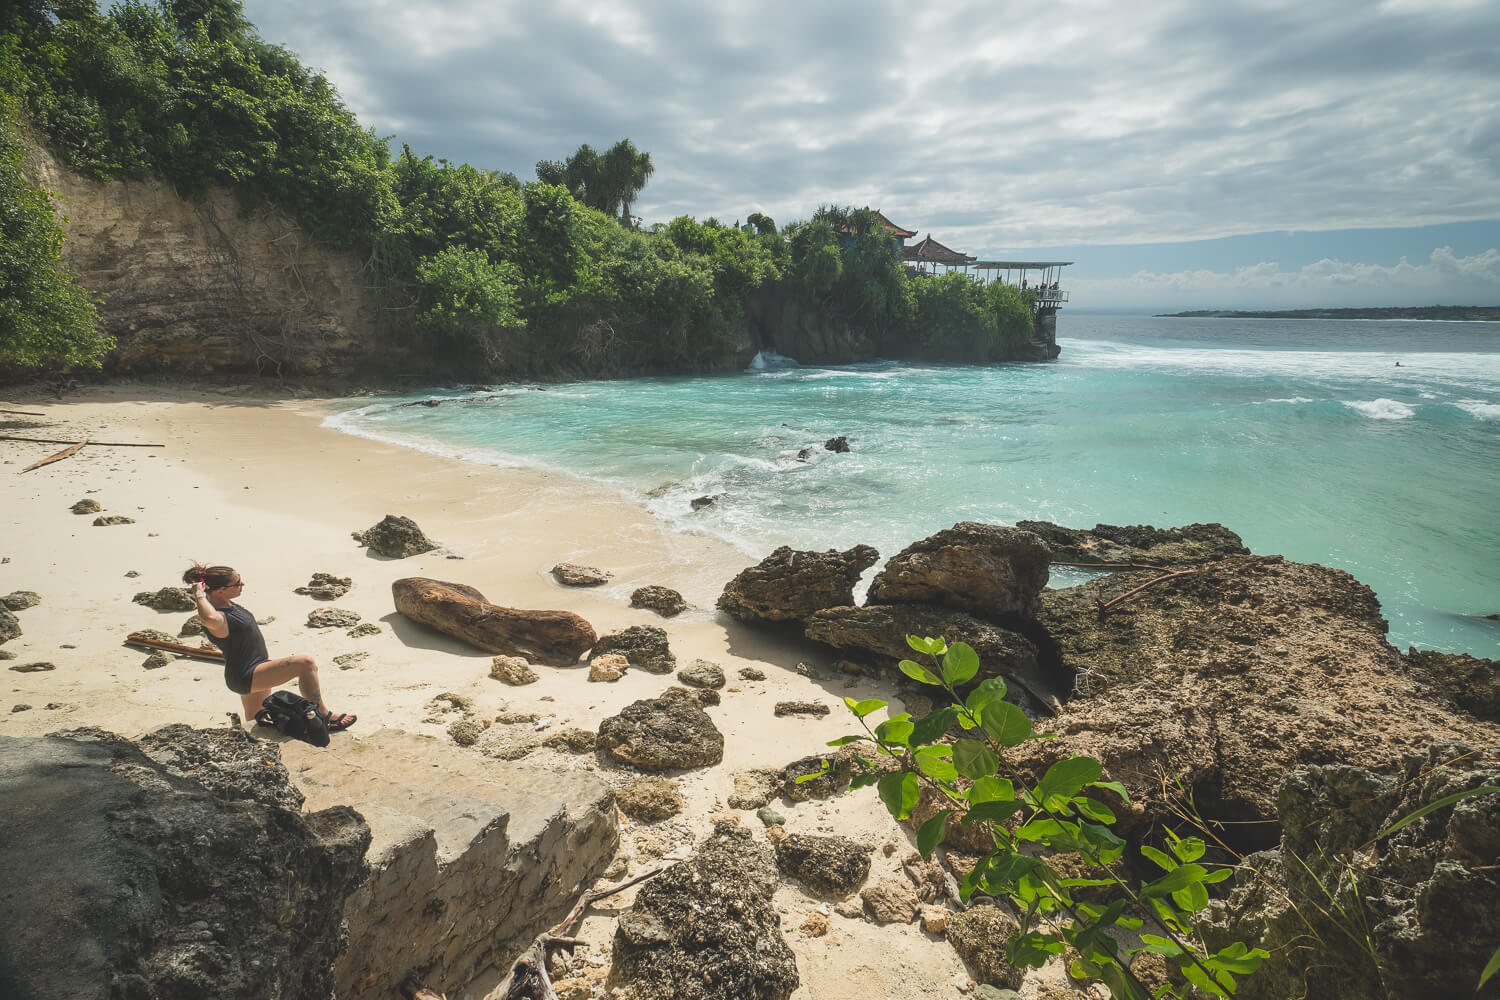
[(1380, 409), (770, 360), (1479, 408), (1291, 399)]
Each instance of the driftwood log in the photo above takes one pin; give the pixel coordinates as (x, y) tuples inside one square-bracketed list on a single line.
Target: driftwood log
[(556, 638), (58, 457), (181, 649)]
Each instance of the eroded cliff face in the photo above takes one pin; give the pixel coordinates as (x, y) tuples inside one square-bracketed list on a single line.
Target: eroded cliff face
[(199, 286)]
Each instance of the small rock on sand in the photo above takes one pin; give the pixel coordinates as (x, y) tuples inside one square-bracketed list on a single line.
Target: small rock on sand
[(650, 799), (348, 661), (157, 660), (326, 586), (752, 674), (609, 667), (86, 507), (167, 599), (810, 709), (33, 668), (395, 537), (332, 618), (20, 600), (104, 522), (663, 600), (513, 670), (364, 629), (702, 674), (574, 575)]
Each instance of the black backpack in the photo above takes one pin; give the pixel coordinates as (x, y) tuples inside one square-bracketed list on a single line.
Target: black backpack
[(295, 716)]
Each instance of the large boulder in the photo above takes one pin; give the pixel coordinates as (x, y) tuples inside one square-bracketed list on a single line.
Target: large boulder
[(789, 585), (1138, 543), (828, 866), (552, 637), (986, 569), (395, 537), (167, 599), (1229, 677), (656, 734), (643, 646), (707, 929), (1423, 902), (184, 870), (1471, 682)]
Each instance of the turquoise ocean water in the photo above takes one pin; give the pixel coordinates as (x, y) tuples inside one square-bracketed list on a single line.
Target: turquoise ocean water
[(1305, 437)]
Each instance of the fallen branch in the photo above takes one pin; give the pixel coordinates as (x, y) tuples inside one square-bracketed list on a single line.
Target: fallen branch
[(23, 413), (1136, 590), (55, 458), (528, 978), (174, 647), (97, 444)]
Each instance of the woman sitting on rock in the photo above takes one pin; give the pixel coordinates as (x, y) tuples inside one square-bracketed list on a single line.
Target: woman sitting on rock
[(248, 670)]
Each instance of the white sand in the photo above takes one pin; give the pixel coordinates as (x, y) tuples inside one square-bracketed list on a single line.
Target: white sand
[(262, 486)]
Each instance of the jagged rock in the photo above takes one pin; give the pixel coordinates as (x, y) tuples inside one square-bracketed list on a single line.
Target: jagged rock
[(1230, 677), (33, 668), (19, 707), (1421, 897), (815, 924), (843, 765), (7, 654), (789, 585), (890, 901), (609, 667), (572, 740), (574, 575), (513, 670), (645, 646), (158, 659), (650, 799), (348, 661), (154, 633), (769, 816), (109, 519), (935, 919), (838, 444), (10, 626), (661, 733), (326, 586), (86, 506), (191, 627), (806, 709), (985, 569), (702, 674), (465, 732), (167, 599), (188, 859), (706, 929), (556, 638), (360, 630), (702, 697), (20, 600), (828, 866), (979, 935), (395, 537), (1138, 543), (882, 629), (698, 503), (752, 674), (663, 600), (332, 618), (754, 788), (1472, 683)]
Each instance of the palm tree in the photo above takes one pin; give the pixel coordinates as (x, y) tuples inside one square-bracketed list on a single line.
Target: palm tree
[(625, 170)]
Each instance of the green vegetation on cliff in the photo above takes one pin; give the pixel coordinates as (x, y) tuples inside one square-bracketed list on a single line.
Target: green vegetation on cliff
[(473, 267)]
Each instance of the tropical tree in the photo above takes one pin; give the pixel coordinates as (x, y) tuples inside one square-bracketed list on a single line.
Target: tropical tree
[(608, 182)]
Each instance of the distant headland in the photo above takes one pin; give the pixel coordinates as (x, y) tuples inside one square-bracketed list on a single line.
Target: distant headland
[(1473, 313)]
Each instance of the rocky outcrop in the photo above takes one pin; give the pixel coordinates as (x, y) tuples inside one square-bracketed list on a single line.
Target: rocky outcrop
[(1472, 683), (706, 929), (985, 569), (167, 599), (394, 537), (1426, 898), (1138, 543), (182, 867), (661, 733), (650, 799), (789, 585), (834, 867), (556, 638), (663, 600), (979, 936), (1229, 677), (574, 575), (702, 674), (644, 646), (326, 586)]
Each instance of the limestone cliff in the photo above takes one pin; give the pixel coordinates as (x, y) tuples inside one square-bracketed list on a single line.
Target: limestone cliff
[(198, 286)]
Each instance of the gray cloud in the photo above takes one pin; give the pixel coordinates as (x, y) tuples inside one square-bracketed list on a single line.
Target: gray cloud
[(991, 125)]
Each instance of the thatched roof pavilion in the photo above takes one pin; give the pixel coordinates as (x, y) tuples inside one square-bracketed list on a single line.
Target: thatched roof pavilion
[(930, 251)]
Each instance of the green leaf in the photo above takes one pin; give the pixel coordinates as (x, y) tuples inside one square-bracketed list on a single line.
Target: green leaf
[(1093, 810), (897, 730), (928, 645), (992, 812), (960, 664), (992, 689), (899, 792), (844, 741), (815, 774), (1218, 876), (864, 708), (1175, 880), (863, 781), (933, 761), (1189, 849), (1041, 828), (1161, 945), (1446, 800), (974, 759), (1200, 979), (1006, 724), (1193, 898), (917, 672), (932, 832), (1238, 958), (1067, 777), (933, 724), (1162, 861), (1490, 968), (1113, 786), (991, 790)]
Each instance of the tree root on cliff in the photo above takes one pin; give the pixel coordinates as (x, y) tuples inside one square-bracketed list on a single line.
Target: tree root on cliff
[(528, 978), (1105, 606)]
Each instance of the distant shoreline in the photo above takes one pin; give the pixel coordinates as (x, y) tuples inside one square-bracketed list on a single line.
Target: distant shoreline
[(1448, 313)]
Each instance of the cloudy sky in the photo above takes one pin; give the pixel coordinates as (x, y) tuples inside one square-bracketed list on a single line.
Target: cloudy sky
[(1185, 153)]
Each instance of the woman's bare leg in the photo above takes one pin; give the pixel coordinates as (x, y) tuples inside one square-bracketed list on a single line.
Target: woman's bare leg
[(272, 673)]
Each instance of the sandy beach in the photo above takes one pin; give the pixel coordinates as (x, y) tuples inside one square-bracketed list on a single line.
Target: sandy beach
[(261, 485)]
